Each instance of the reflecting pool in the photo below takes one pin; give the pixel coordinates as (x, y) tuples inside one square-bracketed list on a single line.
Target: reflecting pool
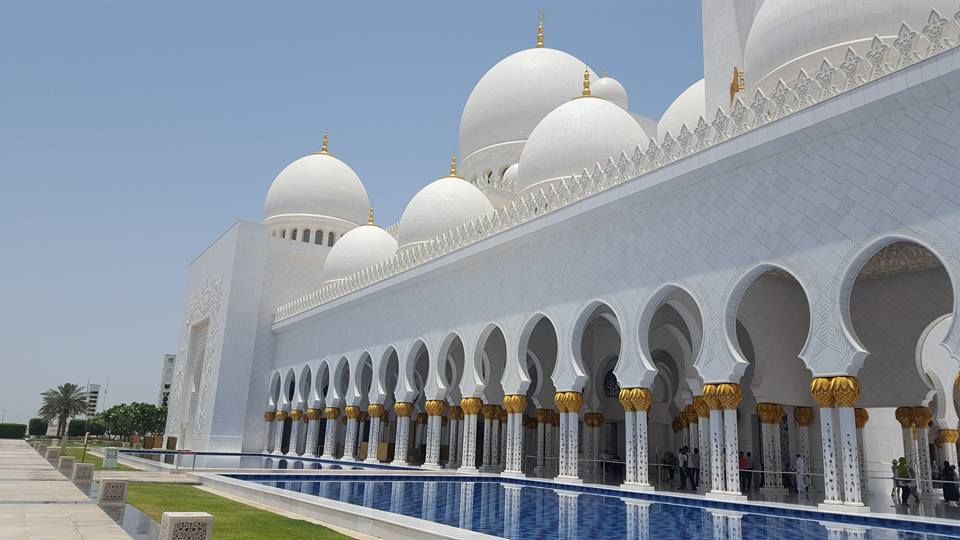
[(215, 460), (522, 510)]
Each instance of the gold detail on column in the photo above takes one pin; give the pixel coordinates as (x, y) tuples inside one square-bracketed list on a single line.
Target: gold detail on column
[(769, 413), (313, 414), (281, 416), (296, 414), (375, 410), (269, 416), (820, 389), (690, 414), (455, 413), (554, 418), (471, 405), (803, 415), (700, 405), (490, 412), (568, 402), (846, 391), (403, 408), (950, 436), (676, 425), (352, 412), (729, 395), (593, 419), (641, 399), (364, 417), (542, 416), (331, 413), (904, 415), (626, 399), (711, 396), (422, 418), (435, 407), (861, 416), (515, 403), (503, 415), (921, 417)]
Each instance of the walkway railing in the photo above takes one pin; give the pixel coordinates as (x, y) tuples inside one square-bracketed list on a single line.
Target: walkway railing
[(857, 69)]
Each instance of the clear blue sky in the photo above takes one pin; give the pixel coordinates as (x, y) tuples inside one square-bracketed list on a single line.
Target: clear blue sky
[(132, 135)]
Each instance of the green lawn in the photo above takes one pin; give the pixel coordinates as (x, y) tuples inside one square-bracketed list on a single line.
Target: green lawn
[(231, 520), (77, 452)]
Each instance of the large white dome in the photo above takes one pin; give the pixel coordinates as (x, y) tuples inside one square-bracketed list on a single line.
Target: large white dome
[(791, 34), (686, 109), (576, 136), (611, 90), (317, 185), (360, 248), (441, 206), (514, 95)]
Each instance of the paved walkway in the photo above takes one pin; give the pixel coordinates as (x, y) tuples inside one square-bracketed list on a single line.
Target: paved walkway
[(37, 502)]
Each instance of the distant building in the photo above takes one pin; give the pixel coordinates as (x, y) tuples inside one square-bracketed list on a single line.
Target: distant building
[(166, 379), (93, 398)]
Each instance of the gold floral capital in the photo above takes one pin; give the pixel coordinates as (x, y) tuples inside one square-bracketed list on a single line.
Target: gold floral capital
[(375, 410), (403, 408), (490, 412), (803, 415), (700, 405), (542, 416), (641, 398), (820, 389), (904, 416), (568, 402), (769, 413), (471, 405), (515, 403), (313, 414), (269, 416), (593, 419), (281, 416), (422, 418), (729, 395), (352, 412), (846, 391), (950, 436), (296, 414), (435, 407), (455, 412), (331, 413), (626, 400), (921, 417), (711, 396), (861, 416)]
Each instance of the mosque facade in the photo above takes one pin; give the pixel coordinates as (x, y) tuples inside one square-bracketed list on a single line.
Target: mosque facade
[(771, 267)]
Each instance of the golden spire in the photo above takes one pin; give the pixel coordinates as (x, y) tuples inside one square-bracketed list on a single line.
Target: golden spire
[(370, 220), (737, 84), (540, 31), (453, 166), (586, 82), (326, 141)]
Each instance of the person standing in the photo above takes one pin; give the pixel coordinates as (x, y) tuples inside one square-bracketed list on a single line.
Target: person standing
[(903, 481), (951, 491), (801, 475), (742, 463), (750, 470), (683, 465)]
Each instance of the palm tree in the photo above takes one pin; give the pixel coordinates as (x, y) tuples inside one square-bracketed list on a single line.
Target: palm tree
[(63, 403)]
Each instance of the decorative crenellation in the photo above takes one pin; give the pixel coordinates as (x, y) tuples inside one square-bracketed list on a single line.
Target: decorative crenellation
[(788, 98)]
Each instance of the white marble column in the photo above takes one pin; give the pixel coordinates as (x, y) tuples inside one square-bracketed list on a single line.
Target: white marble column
[(543, 418), (435, 409), (729, 397), (466, 488), (420, 434), (268, 434), (846, 391), (511, 507), (703, 441), (514, 405), (770, 416), (401, 445), (569, 404), (350, 438), (313, 432), (330, 437), (568, 512), (281, 418), (822, 393), (862, 417), (638, 519), (471, 406), (453, 428), (487, 411), (921, 422), (375, 410), (296, 416), (495, 442), (950, 438)]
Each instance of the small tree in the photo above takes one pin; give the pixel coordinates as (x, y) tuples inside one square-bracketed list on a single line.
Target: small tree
[(63, 403), (38, 427)]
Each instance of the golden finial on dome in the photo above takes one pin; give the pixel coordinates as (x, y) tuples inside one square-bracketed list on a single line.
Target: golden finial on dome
[(326, 141), (370, 220), (453, 165), (540, 31), (586, 82)]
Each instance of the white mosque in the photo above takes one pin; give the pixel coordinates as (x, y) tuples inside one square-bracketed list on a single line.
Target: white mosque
[(771, 267)]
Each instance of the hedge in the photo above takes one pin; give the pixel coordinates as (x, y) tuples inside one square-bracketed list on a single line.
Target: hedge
[(12, 431), (38, 427), (78, 428)]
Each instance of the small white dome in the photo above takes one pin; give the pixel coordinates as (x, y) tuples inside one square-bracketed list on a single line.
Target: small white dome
[(441, 206), (788, 35), (318, 185), (686, 109), (611, 90), (510, 175), (515, 94), (576, 136), (360, 248)]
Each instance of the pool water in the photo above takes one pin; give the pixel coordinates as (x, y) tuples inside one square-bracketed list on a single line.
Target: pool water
[(524, 511), (216, 460)]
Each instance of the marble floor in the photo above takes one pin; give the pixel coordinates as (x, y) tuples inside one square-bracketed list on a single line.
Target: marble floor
[(37, 502)]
